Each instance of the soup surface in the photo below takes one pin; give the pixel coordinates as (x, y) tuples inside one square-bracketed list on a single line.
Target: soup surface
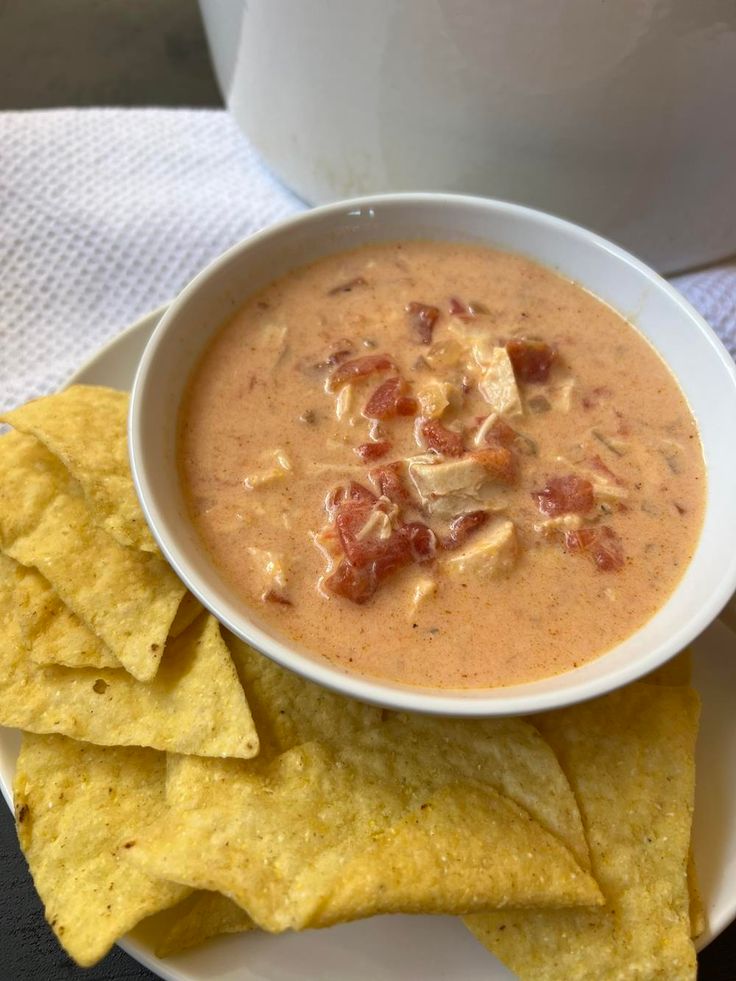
[(442, 465)]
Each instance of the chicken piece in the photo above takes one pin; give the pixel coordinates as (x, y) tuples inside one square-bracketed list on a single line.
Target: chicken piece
[(606, 492), (271, 573), (498, 383), (455, 487), (277, 469), (491, 553), (422, 590), (552, 526)]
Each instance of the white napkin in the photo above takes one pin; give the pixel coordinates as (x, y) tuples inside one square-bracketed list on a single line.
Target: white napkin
[(106, 213)]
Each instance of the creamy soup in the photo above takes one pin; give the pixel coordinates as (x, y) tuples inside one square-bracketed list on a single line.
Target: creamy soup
[(441, 465)]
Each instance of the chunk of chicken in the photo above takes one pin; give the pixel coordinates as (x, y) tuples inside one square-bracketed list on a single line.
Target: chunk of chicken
[(422, 590), (278, 466), (271, 574), (562, 523), (498, 383), (492, 552), (454, 487)]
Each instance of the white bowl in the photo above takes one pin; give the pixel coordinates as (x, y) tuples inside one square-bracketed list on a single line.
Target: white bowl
[(701, 364)]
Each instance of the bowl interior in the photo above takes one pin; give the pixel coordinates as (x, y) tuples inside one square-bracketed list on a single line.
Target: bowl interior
[(702, 366)]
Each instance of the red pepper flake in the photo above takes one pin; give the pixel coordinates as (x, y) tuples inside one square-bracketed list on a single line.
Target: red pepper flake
[(462, 527), (602, 544), (532, 360), (347, 287), (440, 438), (565, 495), (499, 462), (460, 309), (368, 452), (360, 367), (422, 318)]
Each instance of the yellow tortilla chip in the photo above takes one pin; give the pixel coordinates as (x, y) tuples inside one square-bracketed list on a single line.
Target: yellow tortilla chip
[(289, 710), (195, 704), (189, 610), (630, 760), (126, 597), (74, 805), (51, 633), (86, 428), (197, 918), (677, 671), (697, 906), (399, 819)]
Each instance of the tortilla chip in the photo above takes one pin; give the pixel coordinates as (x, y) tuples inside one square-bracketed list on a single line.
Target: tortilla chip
[(51, 633), (698, 921), (74, 804), (197, 918), (127, 598), (399, 819), (630, 759), (677, 671), (86, 428), (195, 704), (289, 710), (189, 610)]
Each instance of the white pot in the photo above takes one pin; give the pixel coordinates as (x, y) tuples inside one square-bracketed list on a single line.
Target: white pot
[(619, 115)]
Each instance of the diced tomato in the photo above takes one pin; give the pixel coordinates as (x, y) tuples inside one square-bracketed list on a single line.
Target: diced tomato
[(369, 558), (442, 439), (368, 452), (382, 403), (357, 585), (407, 405), (347, 287), (360, 367), (353, 493), (500, 463), (422, 319), (498, 434), (600, 467), (565, 495), (531, 359), (462, 527), (422, 541), (601, 543), (389, 480)]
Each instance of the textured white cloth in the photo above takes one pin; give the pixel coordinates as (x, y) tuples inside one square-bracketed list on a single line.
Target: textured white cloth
[(106, 213)]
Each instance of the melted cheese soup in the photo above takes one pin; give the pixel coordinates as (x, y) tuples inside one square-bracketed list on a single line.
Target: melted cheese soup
[(441, 465)]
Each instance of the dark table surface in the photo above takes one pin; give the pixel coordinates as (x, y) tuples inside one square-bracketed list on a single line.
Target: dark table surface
[(29, 952)]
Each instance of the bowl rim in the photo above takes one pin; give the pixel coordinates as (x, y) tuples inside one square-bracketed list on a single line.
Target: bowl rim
[(469, 703)]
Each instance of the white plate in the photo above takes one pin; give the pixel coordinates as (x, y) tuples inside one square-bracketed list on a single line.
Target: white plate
[(410, 948)]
